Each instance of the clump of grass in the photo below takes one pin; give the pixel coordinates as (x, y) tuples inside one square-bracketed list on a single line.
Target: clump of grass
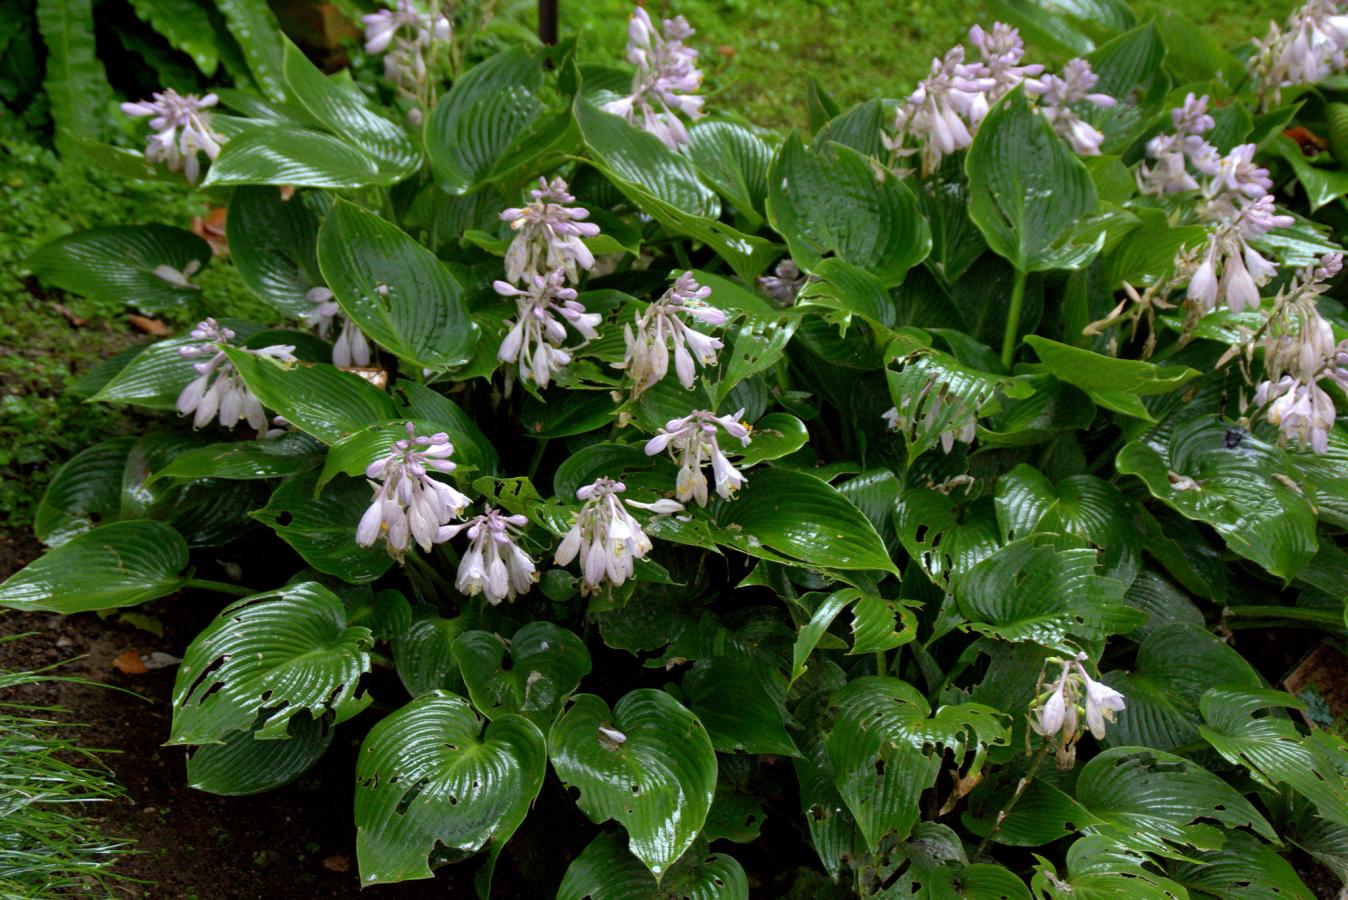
[(49, 844)]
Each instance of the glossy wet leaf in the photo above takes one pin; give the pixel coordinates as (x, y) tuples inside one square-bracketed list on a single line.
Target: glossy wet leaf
[(734, 158), (741, 705), (531, 675), (423, 654), (606, 870), (126, 264), (321, 526), (279, 457), (84, 492), (243, 765), (274, 244)]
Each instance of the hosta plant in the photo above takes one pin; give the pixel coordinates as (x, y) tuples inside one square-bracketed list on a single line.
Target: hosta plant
[(640, 484)]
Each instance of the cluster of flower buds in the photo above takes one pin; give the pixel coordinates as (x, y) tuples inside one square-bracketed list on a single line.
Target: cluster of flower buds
[(494, 565), (1056, 714), (351, 348), (929, 404), (661, 327), (548, 235), (694, 439), (535, 338), (182, 129), (666, 77), (1311, 48), (605, 535), (1300, 353), (218, 392), (409, 505), (407, 37), (945, 110), (785, 282)]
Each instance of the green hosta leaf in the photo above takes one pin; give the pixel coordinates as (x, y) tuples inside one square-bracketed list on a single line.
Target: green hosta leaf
[(657, 782), (1321, 185), (583, 467), (277, 154), (1027, 191), (828, 201), (1149, 800), (879, 625), (353, 454), (886, 749), (122, 264), (1082, 506), (273, 243), (76, 83), (430, 777), (1095, 373), (665, 186), (774, 436), (956, 243), (423, 655), (1053, 409), (755, 345), (803, 518), (386, 613), (734, 158), (276, 655), (1031, 590), (1098, 869), (813, 631), (833, 830), (605, 870), (153, 378), (320, 399), (1129, 68), (243, 765), (1236, 490), (344, 111), (1270, 747), (849, 291), (289, 454), (737, 810), (471, 446), (1175, 666), (1245, 865), (741, 705), (943, 538), (396, 290), (546, 665), (186, 26), (322, 527), (255, 28), (122, 564), (85, 491)]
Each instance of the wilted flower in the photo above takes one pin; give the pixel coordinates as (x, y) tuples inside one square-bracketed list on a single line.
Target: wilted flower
[(1056, 95), (661, 327), (351, 347), (784, 283), (494, 564), (1302, 411), (218, 391), (536, 336), (606, 536), (549, 235), (1232, 271), (691, 441), (666, 76), (408, 504), (182, 128)]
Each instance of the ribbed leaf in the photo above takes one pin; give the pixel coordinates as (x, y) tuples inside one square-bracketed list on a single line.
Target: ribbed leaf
[(945, 540), (117, 264), (243, 765), (396, 290), (255, 28), (274, 244), (277, 154), (546, 665), (828, 201), (741, 704), (606, 870), (1094, 372), (657, 782), (289, 454), (76, 84), (322, 527), (1130, 69), (429, 777), (471, 446), (734, 158), (122, 564), (185, 25), (1244, 866), (423, 655), (1027, 191), (1098, 869), (275, 655), (84, 492)]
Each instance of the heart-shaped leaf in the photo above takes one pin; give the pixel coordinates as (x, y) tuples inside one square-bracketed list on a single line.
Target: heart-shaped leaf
[(647, 764), (734, 158), (606, 870), (546, 665)]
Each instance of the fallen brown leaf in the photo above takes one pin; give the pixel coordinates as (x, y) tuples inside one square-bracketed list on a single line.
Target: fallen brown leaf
[(337, 864), (70, 316), (130, 663), (148, 325)]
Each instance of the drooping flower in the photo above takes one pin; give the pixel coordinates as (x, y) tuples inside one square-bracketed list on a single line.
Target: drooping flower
[(182, 129), (1056, 95), (536, 336), (404, 34), (409, 505), (939, 112), (1311, 48), (1053, 714), (784, 283), (494, 565), (218, 392), (666, 77), (1303, 411), (351, 348), (1002, 51), (606, 536), (692, 441), (549, 235), (662, 326), (1232, 271), (1057, 714), (1102, 701)]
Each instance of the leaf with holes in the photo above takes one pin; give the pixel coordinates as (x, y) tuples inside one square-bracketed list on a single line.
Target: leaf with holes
[(431, 778), (944, 537), (243, 765), (647, 764), (321, 526), (546, 664), (272, 655)]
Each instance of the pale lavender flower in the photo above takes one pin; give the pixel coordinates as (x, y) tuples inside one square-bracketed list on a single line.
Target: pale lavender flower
[(666, 77), (1102, 702), (1052, 715), (1312, 47), (351, 348), (1002, 52), (784, 283), (549, 235), (606, 536), (691, 442), (937, 113), (662, 326), (536, 336), (926, 406), (1170, 174), (409, 505), (494, 565), (1232, 271), (1191, 117), (1303, 411), (1056, 95), (182, 129), (218, 392), (1060, 710)]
